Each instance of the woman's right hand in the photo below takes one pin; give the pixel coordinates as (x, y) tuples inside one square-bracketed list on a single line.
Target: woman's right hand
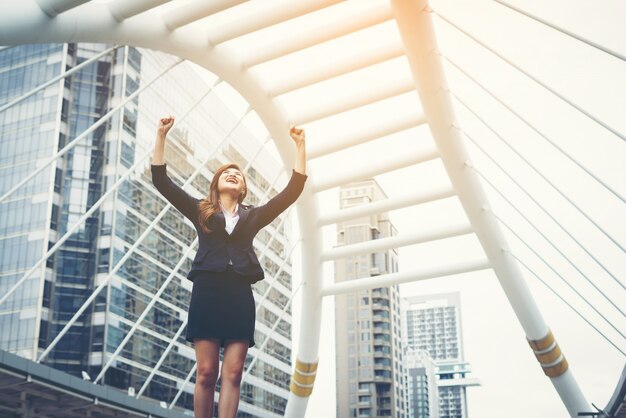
[(165, 124)]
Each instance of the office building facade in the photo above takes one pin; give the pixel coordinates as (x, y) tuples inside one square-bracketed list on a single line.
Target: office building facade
[(370, 371), (38, 215), (432, 324)]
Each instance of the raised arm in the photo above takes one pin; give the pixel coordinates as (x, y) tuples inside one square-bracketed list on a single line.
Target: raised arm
[(180, 199), (298, 137), (165, 124), (268, 212)]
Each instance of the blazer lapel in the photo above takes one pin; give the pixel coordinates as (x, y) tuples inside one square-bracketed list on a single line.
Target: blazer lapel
[(220, 222)]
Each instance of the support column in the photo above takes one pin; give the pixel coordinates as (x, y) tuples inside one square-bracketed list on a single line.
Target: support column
[(416, 29), (303, 378)]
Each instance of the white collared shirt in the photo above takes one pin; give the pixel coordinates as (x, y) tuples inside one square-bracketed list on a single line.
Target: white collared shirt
[(230, 218)]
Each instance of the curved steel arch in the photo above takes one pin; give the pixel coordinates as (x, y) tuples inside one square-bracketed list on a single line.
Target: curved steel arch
[(142, 31), (117, 22)]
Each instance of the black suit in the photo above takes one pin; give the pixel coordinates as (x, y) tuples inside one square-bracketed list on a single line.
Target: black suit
[(218, 248)]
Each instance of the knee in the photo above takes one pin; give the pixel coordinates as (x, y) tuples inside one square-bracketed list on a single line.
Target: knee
[(206, 375), (232, 373)]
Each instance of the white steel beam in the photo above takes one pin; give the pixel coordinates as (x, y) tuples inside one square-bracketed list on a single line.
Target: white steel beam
[(382, 128), (391, 88), (391, 279), (277, 12), (416, 29), (123, 9), (380, 206), (379, 13), (196, 10), (345, 64), (55, 7), (396, 241), (375, 168)]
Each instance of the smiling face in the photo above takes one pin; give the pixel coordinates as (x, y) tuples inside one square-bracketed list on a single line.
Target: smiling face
[(232, 181)]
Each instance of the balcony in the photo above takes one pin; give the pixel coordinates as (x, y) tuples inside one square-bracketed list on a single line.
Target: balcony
[(385, 379), (382, 367), (384, 409), (381, 354), (380, 341), (380, 307)]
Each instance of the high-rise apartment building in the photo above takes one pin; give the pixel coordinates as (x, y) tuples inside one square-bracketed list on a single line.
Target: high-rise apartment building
[(421, 385), (432, 324), (370, 372), (39, 214)]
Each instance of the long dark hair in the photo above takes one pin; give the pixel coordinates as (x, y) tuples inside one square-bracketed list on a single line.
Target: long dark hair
[(210, 204)]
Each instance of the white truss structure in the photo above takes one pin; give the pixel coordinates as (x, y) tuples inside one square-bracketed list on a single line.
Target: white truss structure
[(213, 34)]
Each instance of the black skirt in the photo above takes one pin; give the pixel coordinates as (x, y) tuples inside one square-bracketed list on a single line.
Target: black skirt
[(222, 307)]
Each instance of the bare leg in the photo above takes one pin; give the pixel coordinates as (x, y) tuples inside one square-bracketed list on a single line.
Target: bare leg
[(232, 371), (208, 359)]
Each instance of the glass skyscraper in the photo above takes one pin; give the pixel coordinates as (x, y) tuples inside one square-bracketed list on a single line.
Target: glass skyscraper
[(370, 370), (38, 215)]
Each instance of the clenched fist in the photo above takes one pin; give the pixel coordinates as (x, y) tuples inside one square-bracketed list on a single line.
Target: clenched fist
[(165, 124), (296, 134)]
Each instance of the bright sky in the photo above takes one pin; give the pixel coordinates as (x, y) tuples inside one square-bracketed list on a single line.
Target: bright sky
[(513, 384)]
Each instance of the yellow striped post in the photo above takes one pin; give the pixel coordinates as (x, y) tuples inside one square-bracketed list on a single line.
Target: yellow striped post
[(549, 355), (303, 378)]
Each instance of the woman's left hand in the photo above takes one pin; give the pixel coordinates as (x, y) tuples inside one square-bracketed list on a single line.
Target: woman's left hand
[(296, 134)]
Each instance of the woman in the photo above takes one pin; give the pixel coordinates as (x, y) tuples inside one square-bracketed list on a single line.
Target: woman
[(222, 311)]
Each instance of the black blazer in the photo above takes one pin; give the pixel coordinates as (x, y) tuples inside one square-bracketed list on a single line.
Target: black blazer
[(216, 249)]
